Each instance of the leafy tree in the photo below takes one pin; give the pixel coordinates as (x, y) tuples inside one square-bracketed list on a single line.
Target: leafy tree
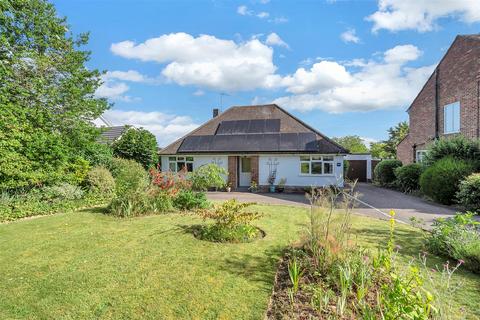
[(395, 135), (377, 149), (139, 145), (47, 97), (353, 143), (388, 149), (208, 176)]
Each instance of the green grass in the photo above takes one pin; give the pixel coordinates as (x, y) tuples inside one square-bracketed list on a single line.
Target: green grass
[(87, 265)]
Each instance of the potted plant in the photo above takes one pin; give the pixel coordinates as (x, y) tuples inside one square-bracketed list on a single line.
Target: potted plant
[(281, 185), (271, 180), (229, 187), (253, 186)]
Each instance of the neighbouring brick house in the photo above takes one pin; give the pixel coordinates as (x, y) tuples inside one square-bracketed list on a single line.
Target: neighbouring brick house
[(449, 102), (252, 142)]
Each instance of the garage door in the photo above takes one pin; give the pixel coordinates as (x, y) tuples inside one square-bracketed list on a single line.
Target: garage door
[(357, 170)]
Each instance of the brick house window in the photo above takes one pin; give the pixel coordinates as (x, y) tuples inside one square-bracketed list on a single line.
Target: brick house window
[(175, 164), (420, 155), (451, 118), (316, 165)]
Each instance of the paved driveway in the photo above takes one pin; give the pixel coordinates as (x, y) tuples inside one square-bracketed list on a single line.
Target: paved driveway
[(372, 201)]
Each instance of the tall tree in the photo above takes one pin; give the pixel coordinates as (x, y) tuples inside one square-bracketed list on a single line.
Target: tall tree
[(395, 135), (47, 97), (353, 143), (139, 145)]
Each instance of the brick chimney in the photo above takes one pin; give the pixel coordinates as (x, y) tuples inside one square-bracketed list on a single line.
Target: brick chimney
[(215, 112)]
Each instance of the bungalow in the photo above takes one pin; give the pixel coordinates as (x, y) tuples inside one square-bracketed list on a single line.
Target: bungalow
[(255, 143)]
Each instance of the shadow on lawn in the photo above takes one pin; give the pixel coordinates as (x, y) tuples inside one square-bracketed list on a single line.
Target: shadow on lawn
[(100, 210), (259, 267)]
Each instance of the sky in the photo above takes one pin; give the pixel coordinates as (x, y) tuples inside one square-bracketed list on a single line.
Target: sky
[(344, 67)]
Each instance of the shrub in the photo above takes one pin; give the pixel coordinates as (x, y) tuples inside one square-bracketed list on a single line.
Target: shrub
[(159, 200), (189, 200), (170, 182), (457, 238), (77, 170), (131, 182), (129, 175), (468, 194), (100, 182), (98, 154), (63, 191), (130, 205), (385, 172), (208, 176), (457, 147), (408, 177), (440, 181), (232, 222)]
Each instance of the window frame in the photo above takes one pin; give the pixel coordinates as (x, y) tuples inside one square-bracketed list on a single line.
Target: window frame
[(180, 159), (317, 159), (451, 112), (417, 153)]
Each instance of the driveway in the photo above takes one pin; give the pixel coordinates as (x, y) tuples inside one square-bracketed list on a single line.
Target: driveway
[(371, 201)]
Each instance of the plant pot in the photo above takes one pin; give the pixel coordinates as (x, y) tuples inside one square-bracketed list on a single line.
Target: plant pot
[(229, 189), (272, 189)]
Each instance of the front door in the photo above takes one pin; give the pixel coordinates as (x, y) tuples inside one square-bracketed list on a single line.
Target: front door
[(245, 176)]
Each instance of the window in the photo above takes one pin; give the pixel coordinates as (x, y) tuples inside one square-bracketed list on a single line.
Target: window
[(176, 164), (451, 117), (316, 165), (420, 155)]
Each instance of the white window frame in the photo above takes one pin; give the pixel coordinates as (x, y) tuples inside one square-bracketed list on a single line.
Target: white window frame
[(451, 118), (420, 155), (317, 159), (176, 159)]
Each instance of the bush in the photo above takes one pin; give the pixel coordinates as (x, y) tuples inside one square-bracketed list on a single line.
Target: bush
[(100, 182), (77, 170), (208, 176), (440, 181), (131, 182), (130, 176), (385, 172), (159, 201), (63, 191), (457, 238), (232, 222), (98, 154), (189, 200), (130, 205), (408, 177), (468, 194), (457, 147)]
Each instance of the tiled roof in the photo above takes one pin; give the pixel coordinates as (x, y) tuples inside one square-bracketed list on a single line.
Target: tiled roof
[(110, 134), (268, 128)]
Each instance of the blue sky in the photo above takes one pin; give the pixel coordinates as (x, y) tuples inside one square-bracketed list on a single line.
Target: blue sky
[(345, 67)]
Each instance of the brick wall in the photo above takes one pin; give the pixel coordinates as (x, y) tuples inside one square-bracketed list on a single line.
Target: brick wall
[(457, 80), (232, 172)]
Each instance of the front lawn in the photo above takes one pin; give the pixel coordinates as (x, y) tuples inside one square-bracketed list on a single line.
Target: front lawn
[(89, 265)]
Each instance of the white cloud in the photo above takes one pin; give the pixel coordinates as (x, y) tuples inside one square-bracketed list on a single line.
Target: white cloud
[(206, 61), (199, 93), (421, 15), (263, 15), (115, 91), (368, 141), (374, 85), (350, 36), (243, 10), (274, 39), (264, 1), (130, 75), (166, 127), (278, 20)]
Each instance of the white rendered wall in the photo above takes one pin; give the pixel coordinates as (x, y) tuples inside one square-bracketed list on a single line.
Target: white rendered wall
[(289, 167)]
